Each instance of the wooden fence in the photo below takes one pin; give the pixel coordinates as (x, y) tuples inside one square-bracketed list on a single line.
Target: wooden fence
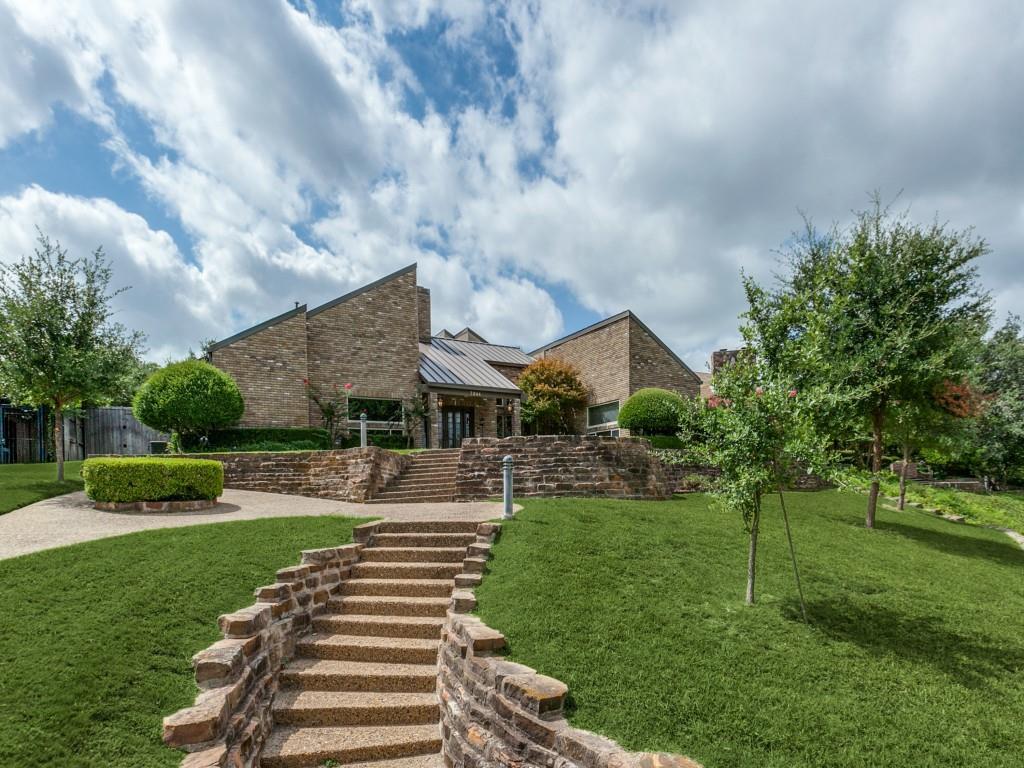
[(115, 430)]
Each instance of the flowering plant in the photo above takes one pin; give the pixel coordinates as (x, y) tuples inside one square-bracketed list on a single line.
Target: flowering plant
[(333, 408)]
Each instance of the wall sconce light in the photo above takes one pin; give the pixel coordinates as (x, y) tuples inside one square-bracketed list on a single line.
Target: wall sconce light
[(440, 402)]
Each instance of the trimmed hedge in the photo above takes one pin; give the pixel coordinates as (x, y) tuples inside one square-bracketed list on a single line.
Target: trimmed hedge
[(152, 479), (190, 397), (245, 438), (651, 411)]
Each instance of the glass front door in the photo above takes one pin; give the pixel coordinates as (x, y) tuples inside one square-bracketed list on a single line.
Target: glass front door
[(456, 423)]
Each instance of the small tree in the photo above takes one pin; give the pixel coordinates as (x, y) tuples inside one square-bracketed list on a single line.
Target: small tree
[(754, 430), (880, 314), (333, 408), (554, 395), (651, 411), (188, 398), (58, 344)]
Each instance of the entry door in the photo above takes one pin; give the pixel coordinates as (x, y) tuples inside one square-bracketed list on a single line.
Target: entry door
[(456, 423)]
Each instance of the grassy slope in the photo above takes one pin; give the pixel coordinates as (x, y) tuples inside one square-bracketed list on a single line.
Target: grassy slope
[(22, 484), (96, 638), (1005, 509), (915, 655)]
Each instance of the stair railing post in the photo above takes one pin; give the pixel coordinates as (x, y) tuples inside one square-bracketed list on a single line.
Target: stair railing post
[(506, 465), (362, 430)]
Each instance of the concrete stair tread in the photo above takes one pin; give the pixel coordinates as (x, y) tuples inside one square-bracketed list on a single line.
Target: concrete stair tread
[(384, 539), (419, 761), (413, 554), (379, 626), (371, 641), (343, 675), (292, 747), (298, 699), (427, 526), (405, 570), (348, 708), (425, 584), (390, 606)]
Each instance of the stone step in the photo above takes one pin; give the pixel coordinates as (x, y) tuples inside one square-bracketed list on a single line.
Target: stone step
[(398, 587), (390, 606), (413, 554), (335, 708), (291, 747), (428, 627), (429, 472), (427, 526), (420, 761), (385, 650), (330, 675), (423, 539), (415, 484), (411, 498), (393, 570)]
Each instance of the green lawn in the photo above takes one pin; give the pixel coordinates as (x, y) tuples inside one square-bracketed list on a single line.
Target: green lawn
[(95, 639), (914, 655), (22, 484)]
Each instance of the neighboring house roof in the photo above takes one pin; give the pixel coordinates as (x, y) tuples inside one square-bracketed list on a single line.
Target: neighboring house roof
[(705, 384), (614, 319), (467, 365), (468, 334), (257, 328)]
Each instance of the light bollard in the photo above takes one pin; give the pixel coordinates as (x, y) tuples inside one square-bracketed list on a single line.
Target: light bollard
[(362, 430), (506, 464)]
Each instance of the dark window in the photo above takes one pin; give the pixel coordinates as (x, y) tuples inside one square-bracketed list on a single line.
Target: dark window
[(376, 409), (506, 414), (606, 413)]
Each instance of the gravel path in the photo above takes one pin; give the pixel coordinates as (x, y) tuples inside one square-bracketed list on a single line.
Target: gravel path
[(70, 519)]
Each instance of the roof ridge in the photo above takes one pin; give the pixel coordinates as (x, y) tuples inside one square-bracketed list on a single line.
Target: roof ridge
[(361, 290)]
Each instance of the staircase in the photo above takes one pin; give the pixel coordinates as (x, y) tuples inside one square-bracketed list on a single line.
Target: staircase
[(430, 476), (362, 685)]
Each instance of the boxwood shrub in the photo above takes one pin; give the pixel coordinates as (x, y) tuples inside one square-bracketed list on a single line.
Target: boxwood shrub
[(152, 479), (270, 438), (651, 411)]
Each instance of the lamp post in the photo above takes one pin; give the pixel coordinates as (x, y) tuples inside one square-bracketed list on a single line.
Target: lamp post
[(362, 429), (506, 465)]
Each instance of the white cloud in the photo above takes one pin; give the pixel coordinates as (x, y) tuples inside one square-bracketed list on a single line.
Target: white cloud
[(668, 146)]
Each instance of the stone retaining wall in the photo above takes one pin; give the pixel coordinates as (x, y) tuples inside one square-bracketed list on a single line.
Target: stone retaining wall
[(238, 676), (353, 474), (561, 465), (498, 713)]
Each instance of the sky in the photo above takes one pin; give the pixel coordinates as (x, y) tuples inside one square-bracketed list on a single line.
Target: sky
[(547, 164)]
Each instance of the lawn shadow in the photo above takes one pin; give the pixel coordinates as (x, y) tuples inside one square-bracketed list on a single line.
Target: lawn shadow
[(951, 542), (974, 661)]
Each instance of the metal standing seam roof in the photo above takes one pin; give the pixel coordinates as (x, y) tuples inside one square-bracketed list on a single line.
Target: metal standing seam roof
[(467, 364)]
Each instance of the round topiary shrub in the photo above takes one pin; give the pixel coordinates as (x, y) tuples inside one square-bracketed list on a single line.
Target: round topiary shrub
[(152, 479), (651, 412), (188, 398)]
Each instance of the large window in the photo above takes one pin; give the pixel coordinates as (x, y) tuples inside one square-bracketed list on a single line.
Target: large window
[(376, 409), (606, 413)]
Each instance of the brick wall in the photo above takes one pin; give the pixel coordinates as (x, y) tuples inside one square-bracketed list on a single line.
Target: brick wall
[(355, 474), (269, 366), (603, 359), (423, 313), (561, 465), (371, 340), (510, 372), (651, 365)]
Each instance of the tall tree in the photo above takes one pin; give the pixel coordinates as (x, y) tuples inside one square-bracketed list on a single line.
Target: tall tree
[(58, 343), (877, 315), (555, 394)]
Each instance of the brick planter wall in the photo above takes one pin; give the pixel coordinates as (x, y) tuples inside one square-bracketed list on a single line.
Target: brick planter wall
[(498, 713), (238, 676), (354, 474), (561, 465)]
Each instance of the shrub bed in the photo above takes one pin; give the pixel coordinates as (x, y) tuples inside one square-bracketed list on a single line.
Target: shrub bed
[(152, 479), (246, 439), (651, 411)]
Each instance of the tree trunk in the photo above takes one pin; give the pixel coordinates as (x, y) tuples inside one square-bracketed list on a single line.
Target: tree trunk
[(904, 470), (877, 420), (58, 441), (792, 555), (752, 556)]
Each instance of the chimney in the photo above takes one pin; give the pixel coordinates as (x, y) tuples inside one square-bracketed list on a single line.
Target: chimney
[(423, 312), (722, 357)]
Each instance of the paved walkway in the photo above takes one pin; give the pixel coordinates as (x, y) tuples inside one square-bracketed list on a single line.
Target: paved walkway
[(70, 519)]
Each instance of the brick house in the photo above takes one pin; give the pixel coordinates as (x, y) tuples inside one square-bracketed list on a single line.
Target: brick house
[(378, 338)]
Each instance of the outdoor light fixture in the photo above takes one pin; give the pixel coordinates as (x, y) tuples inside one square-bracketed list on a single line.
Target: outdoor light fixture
[(440, 402)]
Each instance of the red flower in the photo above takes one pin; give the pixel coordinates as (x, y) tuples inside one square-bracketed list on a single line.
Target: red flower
[(306, 382), (348, 386), (759, 391), (792, 393)]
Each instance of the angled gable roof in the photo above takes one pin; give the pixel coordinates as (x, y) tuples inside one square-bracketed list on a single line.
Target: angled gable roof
[(360, 291), (467, 365)]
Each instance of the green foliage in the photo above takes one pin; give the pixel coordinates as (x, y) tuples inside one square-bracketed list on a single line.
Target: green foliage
[(242, 439), (188, 398), (131, 611), (883, 313), (554, 395), (651, 411), (152, 479), (638, 602), (59, 346), (665, 442)]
